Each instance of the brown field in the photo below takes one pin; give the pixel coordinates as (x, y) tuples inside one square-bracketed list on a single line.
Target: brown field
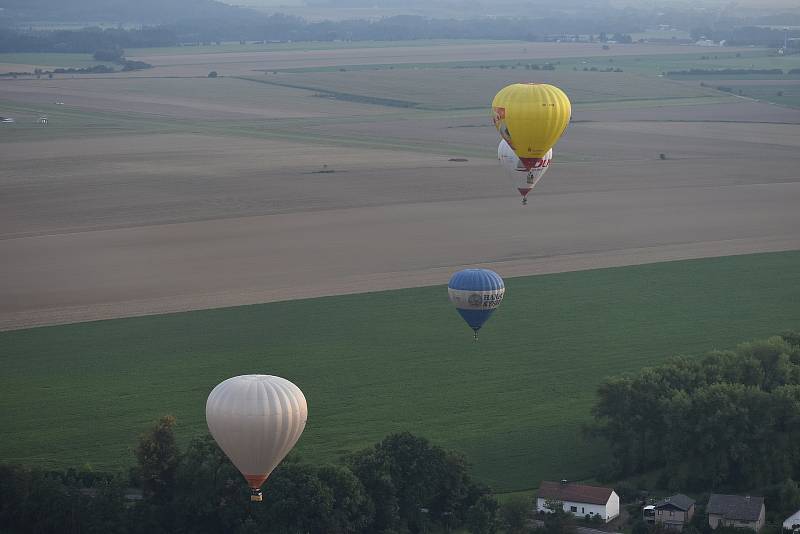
[(209, 192), (448, 88), (238, 63), (202, 98)]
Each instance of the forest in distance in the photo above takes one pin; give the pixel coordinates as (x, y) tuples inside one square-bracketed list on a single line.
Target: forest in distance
[(92, 25)]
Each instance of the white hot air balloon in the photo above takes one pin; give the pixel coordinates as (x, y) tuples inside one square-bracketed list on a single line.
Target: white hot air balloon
[(256, 420), (524, 179)]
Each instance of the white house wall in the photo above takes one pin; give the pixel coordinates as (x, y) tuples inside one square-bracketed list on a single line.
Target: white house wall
[(607, 512)]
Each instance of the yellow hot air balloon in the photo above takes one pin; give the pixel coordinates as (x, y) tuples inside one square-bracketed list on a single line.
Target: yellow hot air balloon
[(531, 117)]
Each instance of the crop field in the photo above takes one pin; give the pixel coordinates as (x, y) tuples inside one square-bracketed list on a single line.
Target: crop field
[(400, 55), (786, 94), (454, 88), (376, 363), (709, 58)]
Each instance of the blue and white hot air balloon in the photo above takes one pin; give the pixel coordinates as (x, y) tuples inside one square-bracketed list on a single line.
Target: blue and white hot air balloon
[(476, 293)]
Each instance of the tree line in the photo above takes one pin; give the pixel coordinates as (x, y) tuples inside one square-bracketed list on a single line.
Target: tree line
[(87, 40), (401, 484), (279, 27), (727, 420)]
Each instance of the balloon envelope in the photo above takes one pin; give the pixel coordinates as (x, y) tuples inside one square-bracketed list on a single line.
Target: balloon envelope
[(531, 117), (256, 420), (524, 180), (476, 293)]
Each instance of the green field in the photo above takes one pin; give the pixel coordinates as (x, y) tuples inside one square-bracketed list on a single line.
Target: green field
[(376, 363), (783, 94)]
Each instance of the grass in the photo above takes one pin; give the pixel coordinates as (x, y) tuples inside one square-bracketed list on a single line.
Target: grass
[(376, 363)]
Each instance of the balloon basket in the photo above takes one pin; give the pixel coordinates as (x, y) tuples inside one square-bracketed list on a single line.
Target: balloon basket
[(255, 495)]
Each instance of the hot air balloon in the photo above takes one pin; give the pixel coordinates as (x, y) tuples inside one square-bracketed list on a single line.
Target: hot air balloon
[(256, 420), (476, 293), (525, 180), (531, 117)]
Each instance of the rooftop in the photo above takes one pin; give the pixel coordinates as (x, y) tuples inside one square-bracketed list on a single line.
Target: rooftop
[(574, 492), (736, 507), (679, 501)]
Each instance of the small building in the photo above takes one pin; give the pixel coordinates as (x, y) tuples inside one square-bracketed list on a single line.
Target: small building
[(792, 523), (673, 512), (578, 499), (736, 511)]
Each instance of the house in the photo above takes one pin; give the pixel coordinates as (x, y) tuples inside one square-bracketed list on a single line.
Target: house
[(672, 512), (736, 511), (792, 523), (578, 499)]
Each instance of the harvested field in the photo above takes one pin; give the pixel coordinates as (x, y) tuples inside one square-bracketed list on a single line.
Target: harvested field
[(200, 98), (248, 62), (435, 87), (244, 209), (592, 138), (139, 180), (730, 110)]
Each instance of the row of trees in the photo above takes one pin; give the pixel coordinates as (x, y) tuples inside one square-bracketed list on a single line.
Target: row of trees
[(280, 27), (402, 484), (88, 40), (728, 420)]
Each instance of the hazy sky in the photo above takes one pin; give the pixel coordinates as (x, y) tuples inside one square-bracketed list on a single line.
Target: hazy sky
[(764, 4)]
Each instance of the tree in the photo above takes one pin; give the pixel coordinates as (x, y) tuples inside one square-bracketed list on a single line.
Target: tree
[(158, 458), (640, 527), (482, 516), (353, 509), (405, 475), (726, 419), (210, 493), (789, 497), (212, 74), (559, 522), (515, 514), (374, 474), (295, 500)]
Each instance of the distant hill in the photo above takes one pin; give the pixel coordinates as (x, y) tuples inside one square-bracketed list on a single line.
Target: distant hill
[(150, 12)]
